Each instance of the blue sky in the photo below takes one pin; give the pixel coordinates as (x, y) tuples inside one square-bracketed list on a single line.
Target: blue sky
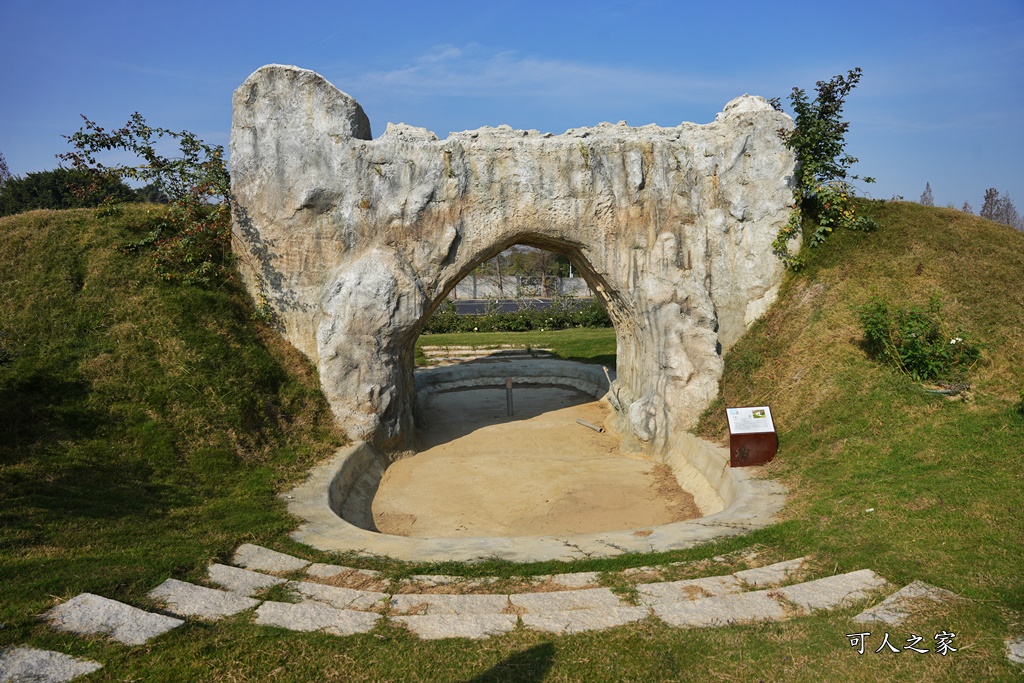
[(941, 99)]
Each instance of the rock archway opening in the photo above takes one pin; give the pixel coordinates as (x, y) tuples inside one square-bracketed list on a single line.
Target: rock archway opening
[(353, 241), (510, 439)]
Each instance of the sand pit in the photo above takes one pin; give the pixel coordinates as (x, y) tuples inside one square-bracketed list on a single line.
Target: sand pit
[(482, 473)]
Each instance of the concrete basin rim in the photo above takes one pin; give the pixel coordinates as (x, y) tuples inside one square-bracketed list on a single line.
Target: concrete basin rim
[(325, 530)]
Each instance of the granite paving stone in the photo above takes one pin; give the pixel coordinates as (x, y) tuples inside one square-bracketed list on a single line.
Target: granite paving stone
[(688, 589), (328, 571), (773, 574), (244, 581), (314, 616), (189, 600), (262, 559), (580, 620), (721, 611), (577, 580), (436, 604), (560, 601), (432, 580), (437, 626), (1015, 650), (896, 608), (833, 591), (89, 614), (27, 664), (338, 596)]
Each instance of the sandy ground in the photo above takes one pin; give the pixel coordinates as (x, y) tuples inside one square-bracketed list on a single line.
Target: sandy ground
[(481, 473)]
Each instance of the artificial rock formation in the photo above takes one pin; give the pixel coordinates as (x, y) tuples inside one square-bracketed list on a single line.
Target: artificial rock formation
[(354, 241)]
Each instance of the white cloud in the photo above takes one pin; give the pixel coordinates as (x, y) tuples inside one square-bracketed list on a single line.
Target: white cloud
[(470, 70)]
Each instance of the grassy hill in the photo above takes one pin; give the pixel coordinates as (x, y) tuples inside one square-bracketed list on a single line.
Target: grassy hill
[(145, 430)]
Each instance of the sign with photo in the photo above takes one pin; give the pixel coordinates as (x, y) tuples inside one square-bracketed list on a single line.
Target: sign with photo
[(750, 420)]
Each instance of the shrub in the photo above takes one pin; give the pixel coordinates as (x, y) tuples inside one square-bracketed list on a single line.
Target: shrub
[(193, 244), (823, 193), (563, 313), (917, 341), (60, 188)]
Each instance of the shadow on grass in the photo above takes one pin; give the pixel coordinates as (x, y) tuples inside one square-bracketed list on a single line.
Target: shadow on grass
[(607, 359), (529, 665), (55, 455), (42, 409)]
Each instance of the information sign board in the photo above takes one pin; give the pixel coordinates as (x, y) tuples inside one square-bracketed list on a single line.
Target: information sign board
[(752, 436)]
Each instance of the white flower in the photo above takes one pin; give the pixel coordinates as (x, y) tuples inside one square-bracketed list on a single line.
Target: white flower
[(955, 340)]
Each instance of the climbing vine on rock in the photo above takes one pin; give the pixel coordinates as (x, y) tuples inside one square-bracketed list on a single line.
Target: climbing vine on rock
[(192, 242), (823, 195)]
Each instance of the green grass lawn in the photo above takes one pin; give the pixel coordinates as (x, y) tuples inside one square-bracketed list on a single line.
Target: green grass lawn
[(146, 430)]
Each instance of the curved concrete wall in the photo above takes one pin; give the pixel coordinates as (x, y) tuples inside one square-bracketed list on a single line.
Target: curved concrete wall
[(336, 501)]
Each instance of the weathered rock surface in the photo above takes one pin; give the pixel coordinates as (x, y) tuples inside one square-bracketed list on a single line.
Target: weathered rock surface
[(354, 241), (24, 664), (314, 616), (89, 614), (242, 581), (260, 559), (189, 600), (899, 606)]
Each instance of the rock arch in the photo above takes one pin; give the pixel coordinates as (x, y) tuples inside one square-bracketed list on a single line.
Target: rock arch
[(354, 241)]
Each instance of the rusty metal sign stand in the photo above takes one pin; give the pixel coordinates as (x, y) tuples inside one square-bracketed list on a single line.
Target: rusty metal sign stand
[(752, 436)]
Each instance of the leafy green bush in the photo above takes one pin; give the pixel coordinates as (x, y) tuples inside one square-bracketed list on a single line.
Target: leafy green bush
[(60, 188), (823, 194), (917, 341), (564, 313), (192, 244)]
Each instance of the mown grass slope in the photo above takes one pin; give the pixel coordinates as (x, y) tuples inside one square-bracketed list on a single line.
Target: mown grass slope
[(145, 430), (142, 425)]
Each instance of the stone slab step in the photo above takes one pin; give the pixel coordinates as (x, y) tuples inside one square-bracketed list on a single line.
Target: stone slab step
[(440, 351), (315, 616), (562, 601), (581, 620), (330, 571), (339, 597), (770, 605), (721, 611), (437, 626), (1015, 650), (23, 664), (833, 591), (772, 574), (189, 600), (898, 607), (244, 581), (438, 604), (688, 589), (262, 559), (89, 614)]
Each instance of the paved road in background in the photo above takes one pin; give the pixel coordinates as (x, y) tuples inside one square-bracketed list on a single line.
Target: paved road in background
[(477, 306)]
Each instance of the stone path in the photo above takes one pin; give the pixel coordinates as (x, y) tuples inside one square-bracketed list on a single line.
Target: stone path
[(89, 614), (42, 666), (344, 601), (461, 354)]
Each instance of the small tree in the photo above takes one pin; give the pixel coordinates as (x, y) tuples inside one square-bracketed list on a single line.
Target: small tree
[(927, 199), (194, 243), (1000, 209), (823, 193), (5, 173), (966, 208)]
